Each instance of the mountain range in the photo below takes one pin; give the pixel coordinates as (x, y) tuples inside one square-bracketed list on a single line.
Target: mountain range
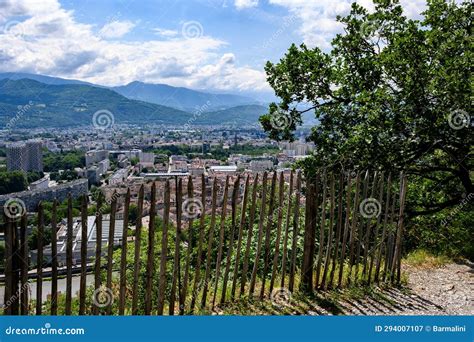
[(51, 101)]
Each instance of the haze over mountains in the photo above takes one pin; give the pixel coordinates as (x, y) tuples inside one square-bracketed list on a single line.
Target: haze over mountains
[(56, 102), (180, 98)]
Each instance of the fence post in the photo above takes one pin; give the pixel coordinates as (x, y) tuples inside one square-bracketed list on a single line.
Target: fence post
[(8, 264), (309, 238), (82, 285), (260, 233), (239, 240), (221, 239), (164, 251), (398, 243), (69, 257), (267, 235), (123, 256), (249, 235), (24, 265), (294, 245), (287, 229), (209, 242), (136, 261), (200, 243), (151, 252)]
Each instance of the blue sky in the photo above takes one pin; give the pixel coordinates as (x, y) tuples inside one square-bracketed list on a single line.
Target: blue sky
[(216, 45)]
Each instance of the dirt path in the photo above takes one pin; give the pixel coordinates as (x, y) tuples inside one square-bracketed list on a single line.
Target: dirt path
[(445, 290), (450, 288)]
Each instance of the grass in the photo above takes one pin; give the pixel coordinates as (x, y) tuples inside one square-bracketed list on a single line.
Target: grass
[(424, 259)]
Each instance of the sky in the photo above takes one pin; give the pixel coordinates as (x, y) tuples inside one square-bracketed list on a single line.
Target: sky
[(214, 45)]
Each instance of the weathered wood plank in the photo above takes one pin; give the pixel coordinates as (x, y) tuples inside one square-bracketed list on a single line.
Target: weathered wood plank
[(189, 248), (384, 229), (164, 250), (330, 233), (281, 191), (9, 278), (39, 261), (82, 284), (319, 262), (137, 260), (220, 245), (353, 233), (177, 248), (309, 237), (253, 279), (338, 229), (360, 228), (287, 230), (24, 265), (123, 255), (150, 267), (368, 225), (209, 246), (243, 214), (396, 264), (202, 226), (235, 195), (98, 253), (372, 251), (346, 228), (266, 254), (294, 243), (249, 236), (68, 310)]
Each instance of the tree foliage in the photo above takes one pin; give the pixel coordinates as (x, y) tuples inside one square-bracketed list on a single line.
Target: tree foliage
[(392, 94)]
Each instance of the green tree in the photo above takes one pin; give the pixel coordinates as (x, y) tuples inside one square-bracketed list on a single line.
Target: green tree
[(12, 181), (392, 94)]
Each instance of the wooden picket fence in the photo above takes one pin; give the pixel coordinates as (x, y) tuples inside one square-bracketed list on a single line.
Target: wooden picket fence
[(246, 237)]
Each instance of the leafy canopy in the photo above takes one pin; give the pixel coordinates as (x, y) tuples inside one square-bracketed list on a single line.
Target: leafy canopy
[(392, 94)]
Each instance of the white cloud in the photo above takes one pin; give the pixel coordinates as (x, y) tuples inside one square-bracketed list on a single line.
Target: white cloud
[(165, 33), (116, 29), (241, 4), (318, 18), (48, 40)]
